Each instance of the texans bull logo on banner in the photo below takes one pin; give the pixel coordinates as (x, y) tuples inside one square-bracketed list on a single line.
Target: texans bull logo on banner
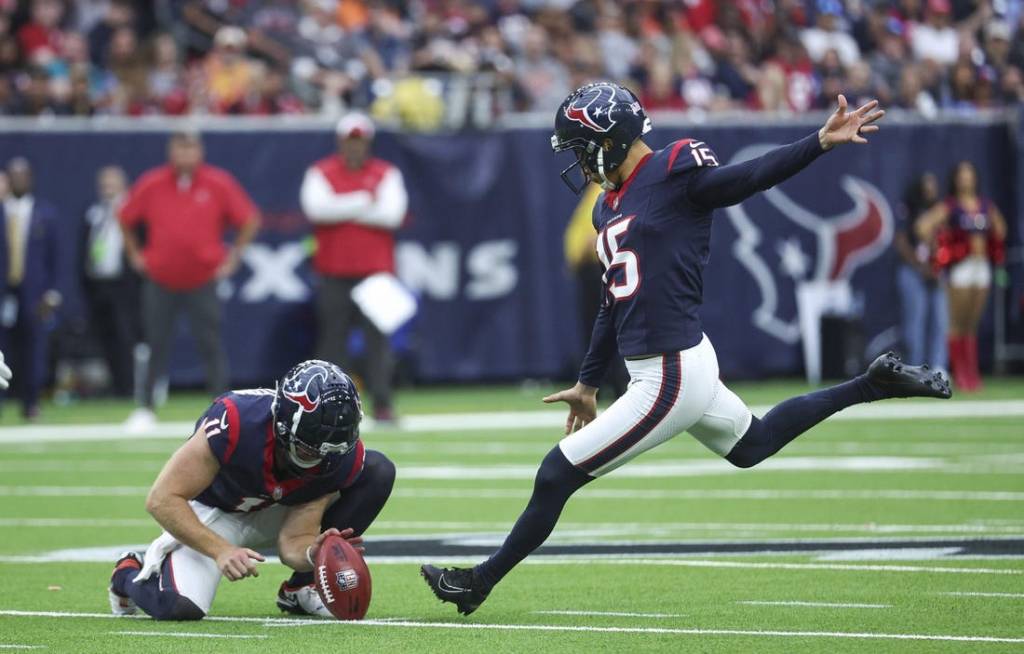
[(810, 249)]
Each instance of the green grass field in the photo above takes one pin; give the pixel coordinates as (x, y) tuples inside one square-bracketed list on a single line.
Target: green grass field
[(872, 533)]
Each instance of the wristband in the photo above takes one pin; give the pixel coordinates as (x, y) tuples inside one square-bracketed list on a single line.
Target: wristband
[(309, 556)]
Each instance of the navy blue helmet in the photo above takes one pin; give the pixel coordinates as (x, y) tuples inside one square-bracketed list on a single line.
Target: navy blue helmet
[(316, 413), (599, 123)]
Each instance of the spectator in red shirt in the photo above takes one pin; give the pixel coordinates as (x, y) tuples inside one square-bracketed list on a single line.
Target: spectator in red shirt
[(355, 203), (185, 207), (40, 37)]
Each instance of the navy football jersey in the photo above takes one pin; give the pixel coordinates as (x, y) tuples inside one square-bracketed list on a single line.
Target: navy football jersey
[(654, 242), (654, 238), (239, 428)]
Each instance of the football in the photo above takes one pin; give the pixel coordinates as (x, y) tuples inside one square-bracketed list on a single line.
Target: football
[(342, 579)]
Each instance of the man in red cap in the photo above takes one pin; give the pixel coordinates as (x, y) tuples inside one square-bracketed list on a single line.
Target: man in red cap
[(355, 202)]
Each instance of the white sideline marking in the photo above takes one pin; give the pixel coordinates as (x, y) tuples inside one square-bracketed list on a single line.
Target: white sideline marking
[(447, 422), (966, 594), (75, 522), (73, 491), (586, 494), (824, 605), (722, 494), (107, 554), (185, 634), (454, 529), (704, 563), (550, 627), (8, 646), (617, 614), (692, 468)]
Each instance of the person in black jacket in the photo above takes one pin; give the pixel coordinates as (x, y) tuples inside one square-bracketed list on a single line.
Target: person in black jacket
[(111, 286)]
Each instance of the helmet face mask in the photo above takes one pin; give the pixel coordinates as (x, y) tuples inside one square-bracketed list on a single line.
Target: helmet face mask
[(316, 414), (599, 122)]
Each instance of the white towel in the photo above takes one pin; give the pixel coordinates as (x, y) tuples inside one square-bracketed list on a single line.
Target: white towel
[(166, 543)]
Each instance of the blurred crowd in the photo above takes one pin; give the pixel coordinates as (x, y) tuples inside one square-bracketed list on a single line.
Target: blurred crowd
[(399, 57)]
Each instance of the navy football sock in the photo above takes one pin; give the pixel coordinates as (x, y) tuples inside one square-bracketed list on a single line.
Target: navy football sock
[(796, 415), (358, 505), (166, 604), (556, 481)]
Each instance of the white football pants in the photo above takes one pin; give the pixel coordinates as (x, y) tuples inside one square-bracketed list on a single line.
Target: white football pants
[(667, 395)]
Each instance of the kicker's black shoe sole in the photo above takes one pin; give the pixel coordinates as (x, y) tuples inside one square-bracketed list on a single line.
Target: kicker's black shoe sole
[(897, 379)]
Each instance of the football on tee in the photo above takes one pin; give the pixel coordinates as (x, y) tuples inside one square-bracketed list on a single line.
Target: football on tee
[(342, 579)]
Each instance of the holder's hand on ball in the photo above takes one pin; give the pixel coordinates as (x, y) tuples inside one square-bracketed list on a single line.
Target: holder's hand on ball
[(347, 533)]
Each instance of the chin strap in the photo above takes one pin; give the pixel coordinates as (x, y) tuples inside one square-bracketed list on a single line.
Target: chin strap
[(606, 184)]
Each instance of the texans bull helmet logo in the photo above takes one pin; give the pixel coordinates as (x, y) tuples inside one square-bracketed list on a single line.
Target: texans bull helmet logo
[(303, 391), (593, 108)]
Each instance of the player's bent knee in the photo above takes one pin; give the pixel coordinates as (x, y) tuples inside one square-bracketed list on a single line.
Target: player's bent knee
[(557, 475), (753, 447), (742, 459), (381, 470)]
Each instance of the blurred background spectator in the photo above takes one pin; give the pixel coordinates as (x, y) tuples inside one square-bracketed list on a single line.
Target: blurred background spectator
[(129, 57), (31, 265), (925, 317), (185, 207), (110, 285), (355, 202)]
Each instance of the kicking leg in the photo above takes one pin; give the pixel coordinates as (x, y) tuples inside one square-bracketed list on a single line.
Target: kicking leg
[(887, 377), (654, 409)]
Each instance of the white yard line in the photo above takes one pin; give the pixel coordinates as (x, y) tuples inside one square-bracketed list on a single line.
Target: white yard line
[(186, 634), (108, 554), (60, 523), (451, 529), (73, 491), (824, 605), (492, 421), (10, 646), (588, 494), (654, 470), (976, 594), (616, 614), (557, 628)]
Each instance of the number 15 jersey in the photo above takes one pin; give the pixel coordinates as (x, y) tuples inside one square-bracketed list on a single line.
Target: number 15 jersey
[(654, 243)]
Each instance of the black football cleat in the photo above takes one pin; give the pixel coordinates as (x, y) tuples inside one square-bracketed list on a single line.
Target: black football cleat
[(456, 585), (896, 379)]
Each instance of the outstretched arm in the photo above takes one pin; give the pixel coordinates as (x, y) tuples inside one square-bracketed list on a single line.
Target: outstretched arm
[(723, 186)]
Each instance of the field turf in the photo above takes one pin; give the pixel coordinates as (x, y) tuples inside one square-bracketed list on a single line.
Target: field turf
[(880, 532)]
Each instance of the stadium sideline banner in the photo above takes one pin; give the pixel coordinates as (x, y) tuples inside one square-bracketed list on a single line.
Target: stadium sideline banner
[(482, 247)]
